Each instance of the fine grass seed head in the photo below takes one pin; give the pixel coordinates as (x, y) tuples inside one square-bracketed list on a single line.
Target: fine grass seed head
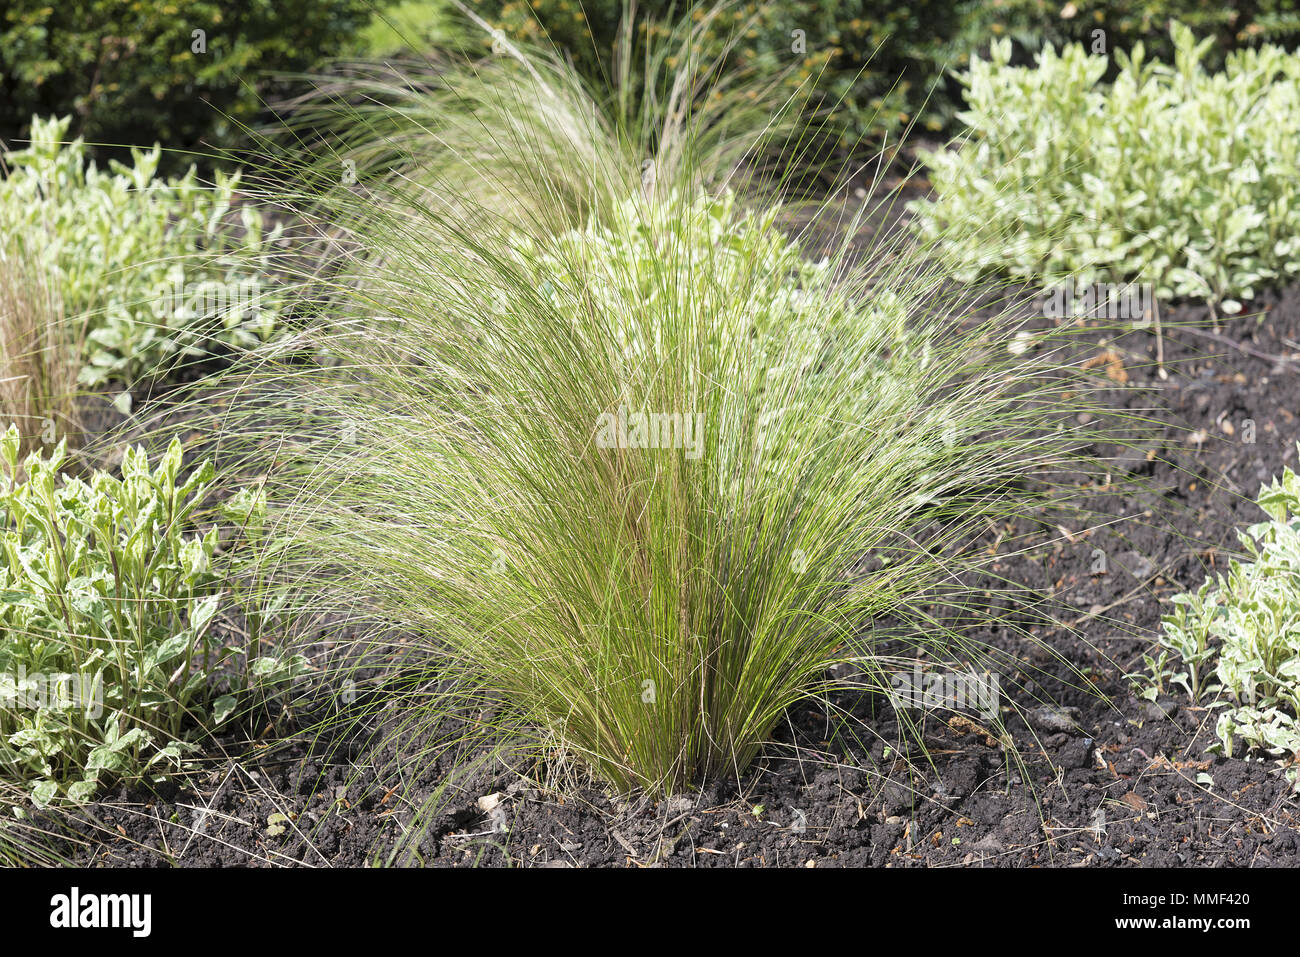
[(40, 350)]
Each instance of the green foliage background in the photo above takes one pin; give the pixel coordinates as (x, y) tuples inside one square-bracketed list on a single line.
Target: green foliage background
[(128, 74), (885, 63)]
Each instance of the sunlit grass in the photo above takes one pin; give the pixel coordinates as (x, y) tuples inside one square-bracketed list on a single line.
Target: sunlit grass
[(456, 461)]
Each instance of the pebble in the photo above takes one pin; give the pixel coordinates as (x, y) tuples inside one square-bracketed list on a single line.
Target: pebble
[(1155, 710), (679, 804), (1064, 720), (1136, 564)]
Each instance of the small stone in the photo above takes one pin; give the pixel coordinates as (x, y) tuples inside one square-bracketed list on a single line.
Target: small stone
[(1064, 720), (1136, 564), (679, 804), (1156, 710), (1076, 754), (490, 804), (897, 797)]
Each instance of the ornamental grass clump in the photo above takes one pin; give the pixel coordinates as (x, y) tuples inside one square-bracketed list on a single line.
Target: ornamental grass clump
[(604, 456), (40, 349)]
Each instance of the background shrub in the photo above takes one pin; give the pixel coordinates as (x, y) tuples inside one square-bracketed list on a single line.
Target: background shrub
[(884, 63), (128, 72), (1033, 24), (159, 270), (1061, 177), (411, 26), (874, 61)]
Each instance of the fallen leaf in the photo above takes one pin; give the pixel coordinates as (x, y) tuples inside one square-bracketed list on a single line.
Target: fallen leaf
[(1115, 370), (1135, 801), (964, 725)]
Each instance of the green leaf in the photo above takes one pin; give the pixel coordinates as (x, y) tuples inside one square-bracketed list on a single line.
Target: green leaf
[(83, 791), (44, 792), (223, 708), (202, 613), (172, 648)]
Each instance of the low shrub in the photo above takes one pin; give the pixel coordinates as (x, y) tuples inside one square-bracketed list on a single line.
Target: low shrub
[(1235, 641), (108, 598), (1061, 177), (158, 271)]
